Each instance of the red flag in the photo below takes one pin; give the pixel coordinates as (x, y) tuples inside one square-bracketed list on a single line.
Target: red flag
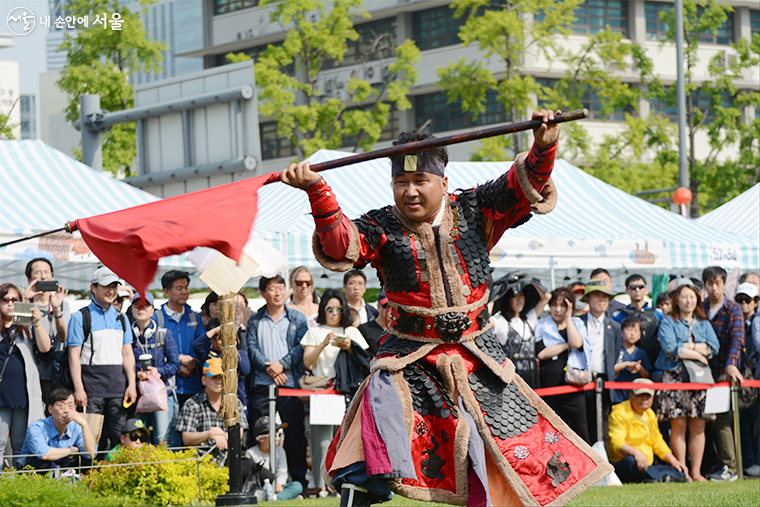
[(131, 241)]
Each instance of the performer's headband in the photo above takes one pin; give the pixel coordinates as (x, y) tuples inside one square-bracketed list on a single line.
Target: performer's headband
[(412, 164)]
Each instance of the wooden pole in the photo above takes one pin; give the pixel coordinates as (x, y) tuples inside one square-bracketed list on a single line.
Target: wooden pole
[(229, 408), (414, 147)]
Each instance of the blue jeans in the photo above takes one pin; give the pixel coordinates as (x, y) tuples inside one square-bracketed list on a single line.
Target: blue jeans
[(749, 423), (161, 422), (627, 471), (13, 423)]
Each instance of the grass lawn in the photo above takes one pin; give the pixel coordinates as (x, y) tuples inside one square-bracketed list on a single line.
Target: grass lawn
[(40, 491), (708, 494)]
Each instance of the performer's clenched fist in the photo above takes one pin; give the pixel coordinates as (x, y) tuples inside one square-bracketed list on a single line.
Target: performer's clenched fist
[(299, 175), (545, 134)]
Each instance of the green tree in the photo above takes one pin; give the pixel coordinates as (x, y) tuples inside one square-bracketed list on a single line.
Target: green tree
[(291, 77), (100, 61), (502, 33), (726, 171), (6, 127)]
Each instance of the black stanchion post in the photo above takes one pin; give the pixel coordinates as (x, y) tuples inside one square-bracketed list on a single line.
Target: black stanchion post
[(599, 415), (272, 426), (235, 459), (737, 428)]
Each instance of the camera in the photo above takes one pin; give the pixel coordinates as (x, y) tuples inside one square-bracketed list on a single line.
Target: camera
[(47, 286), (22, 314)]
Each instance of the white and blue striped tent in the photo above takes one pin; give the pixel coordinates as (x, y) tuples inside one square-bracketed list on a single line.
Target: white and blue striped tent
[(739, 216), (41, 189), (593, 225)]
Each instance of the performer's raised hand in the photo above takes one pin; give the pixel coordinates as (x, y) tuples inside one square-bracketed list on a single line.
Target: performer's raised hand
[(299, 175), (545, 134)]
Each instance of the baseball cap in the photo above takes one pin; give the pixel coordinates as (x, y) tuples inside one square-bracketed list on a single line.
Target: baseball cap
[(134, 425), (261, 426), (577, 287), (148, 298), (748, 289), (212, 367), (643, 389), (104, 276), (382, 299), (596, 285)]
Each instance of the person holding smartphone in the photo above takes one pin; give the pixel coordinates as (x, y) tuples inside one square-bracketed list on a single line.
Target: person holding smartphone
[(321, 346), (49, 298)]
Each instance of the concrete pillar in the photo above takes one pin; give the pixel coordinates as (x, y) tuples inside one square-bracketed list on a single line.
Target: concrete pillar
[(637, 21), (742, 29), (92, 152)]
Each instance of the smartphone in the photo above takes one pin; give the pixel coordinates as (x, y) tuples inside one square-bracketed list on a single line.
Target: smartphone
[(340, 338), (47, 286)]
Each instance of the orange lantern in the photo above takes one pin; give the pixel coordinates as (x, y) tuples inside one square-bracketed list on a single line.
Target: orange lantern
[(682, 195)]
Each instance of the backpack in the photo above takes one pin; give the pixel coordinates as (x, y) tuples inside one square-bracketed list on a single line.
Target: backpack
[(65, 372)]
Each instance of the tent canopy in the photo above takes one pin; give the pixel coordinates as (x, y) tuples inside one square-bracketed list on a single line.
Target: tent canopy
[(740, 216), (593, 225), (42, 189)]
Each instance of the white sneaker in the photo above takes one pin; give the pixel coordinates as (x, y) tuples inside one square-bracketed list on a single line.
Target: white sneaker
[(753, 471), (724, 474), (323, 494)]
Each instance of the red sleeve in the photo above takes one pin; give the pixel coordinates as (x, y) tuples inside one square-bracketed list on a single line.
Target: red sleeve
[(332, 226)]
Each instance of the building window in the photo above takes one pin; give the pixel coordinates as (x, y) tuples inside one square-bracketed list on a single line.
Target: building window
[(28, 117), (593, 16), (224, 6), (272, 145), (699, 99), (656, 28), (723, 35), (754, 22), (434, 28), (589, 100), (389, 132), (369, 34), (444, 116)]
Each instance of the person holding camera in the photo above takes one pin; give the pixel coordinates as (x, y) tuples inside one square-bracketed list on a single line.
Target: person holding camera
[(24, 342), (49, 298)]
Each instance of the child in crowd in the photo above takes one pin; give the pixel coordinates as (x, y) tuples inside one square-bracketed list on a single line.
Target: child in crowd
[(632, 362), (208, 348), (664, 305), (259, 455)]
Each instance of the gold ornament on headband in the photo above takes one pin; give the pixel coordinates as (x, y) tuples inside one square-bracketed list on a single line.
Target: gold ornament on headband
[(410, 163)]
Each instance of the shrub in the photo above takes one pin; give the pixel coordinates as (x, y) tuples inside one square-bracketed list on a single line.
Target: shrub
[(41, 491), (170, 483)]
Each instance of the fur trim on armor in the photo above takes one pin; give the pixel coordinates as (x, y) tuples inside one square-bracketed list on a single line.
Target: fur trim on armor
[(395, 364), (352, 252), (549, 194), (433, 312)]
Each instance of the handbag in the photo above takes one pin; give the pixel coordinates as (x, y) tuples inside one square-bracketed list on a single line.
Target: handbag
[(309, 382), (699, 373), (747, 395), (576, 377), (153, 396)]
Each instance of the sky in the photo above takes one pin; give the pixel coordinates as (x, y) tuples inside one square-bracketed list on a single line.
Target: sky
[(29, 50)]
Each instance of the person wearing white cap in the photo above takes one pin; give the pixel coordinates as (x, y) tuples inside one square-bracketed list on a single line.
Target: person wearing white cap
[(635, 439), (101, 361), (747, 298)]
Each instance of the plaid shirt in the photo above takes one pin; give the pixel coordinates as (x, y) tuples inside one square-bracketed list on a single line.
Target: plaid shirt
[(728, 324), (198, 415)]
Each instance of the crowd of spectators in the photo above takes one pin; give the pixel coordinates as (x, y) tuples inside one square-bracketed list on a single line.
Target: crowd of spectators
[(97, 360)]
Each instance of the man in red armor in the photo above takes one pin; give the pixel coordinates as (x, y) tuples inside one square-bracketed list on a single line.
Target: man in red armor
[(443, 417)]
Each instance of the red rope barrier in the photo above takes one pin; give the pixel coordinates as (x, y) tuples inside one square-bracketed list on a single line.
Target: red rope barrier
[(554, 391)]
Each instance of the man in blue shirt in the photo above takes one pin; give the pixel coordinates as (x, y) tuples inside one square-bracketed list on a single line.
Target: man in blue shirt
[(274, 347), (102, 363), (54, 442), (636, 288)]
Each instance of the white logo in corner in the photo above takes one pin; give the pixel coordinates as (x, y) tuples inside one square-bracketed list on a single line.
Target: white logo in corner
[(21, 21)]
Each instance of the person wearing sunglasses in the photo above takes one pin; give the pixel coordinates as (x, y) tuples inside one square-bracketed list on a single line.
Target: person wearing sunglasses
[(134, 434), (636, 288), (20, 388), (747, 298), (302, 299), (321, 346)]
